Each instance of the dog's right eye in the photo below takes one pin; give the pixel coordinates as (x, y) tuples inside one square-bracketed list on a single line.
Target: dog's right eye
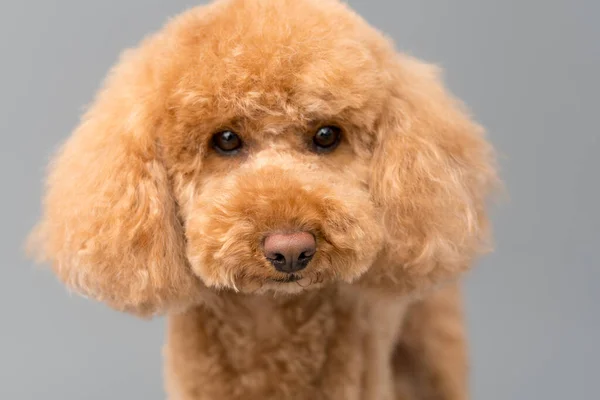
[(227, 142)]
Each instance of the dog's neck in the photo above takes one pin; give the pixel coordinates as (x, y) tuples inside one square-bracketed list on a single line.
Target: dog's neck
[(269, 316)]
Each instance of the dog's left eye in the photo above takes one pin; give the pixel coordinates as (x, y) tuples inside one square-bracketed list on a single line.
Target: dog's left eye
[(327, 138), (227, 142)]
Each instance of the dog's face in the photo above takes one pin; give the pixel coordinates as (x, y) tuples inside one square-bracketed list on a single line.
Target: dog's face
[(264, 146), (278, 183)]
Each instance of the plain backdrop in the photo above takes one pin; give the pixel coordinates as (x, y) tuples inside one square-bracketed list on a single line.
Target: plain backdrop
[(528, 69)]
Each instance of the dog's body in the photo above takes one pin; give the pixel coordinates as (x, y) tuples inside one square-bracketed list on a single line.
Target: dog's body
[(295, 194), (338, 343)]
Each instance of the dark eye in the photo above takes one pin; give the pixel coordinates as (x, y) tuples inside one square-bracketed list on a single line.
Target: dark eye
[(327, 138), (227, 142)]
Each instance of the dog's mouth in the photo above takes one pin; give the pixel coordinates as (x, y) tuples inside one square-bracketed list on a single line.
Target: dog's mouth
[(288, 279), (303, 281)]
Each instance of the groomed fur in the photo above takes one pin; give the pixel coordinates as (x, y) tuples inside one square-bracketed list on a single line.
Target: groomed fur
[(143, 214)]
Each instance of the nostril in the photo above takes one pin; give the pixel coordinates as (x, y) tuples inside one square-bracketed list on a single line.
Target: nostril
[(303, 260), (276, 258), (306, 255)]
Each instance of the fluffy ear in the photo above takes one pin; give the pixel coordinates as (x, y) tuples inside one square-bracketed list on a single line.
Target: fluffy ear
[(109, 225), (432, 172)]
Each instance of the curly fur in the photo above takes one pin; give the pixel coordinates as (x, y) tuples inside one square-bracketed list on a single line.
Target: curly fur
[(142, 214)]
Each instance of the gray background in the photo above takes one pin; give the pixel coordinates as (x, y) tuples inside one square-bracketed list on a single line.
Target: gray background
[(527, 68)]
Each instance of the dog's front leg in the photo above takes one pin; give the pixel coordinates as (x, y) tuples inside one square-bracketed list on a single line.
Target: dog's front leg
[(430, 360)]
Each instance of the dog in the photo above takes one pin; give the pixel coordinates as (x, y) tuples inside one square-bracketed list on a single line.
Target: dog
[(298, 196)]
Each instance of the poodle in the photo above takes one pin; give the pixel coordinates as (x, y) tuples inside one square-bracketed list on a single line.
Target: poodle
[(296, 195)]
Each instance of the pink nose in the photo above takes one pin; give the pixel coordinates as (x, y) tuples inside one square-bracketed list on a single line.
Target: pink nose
[(290, 252)]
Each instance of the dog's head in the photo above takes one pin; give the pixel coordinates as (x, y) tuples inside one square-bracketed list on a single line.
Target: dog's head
[(263, 146)]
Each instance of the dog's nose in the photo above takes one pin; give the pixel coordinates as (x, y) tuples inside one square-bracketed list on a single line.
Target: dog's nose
[(290, 252)]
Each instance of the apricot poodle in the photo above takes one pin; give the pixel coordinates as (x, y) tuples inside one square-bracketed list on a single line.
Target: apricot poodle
[(296, 195)]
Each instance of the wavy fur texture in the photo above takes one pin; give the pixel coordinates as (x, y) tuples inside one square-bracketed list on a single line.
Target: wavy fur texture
[(142, 213)]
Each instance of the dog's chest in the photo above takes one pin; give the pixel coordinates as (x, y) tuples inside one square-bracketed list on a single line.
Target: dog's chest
[(333, 345)]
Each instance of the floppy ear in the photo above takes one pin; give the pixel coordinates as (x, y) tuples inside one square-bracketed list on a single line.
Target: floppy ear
[(109, 225), (432, 172)]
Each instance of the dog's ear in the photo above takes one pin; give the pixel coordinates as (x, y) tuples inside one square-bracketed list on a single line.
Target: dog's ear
[(432, 172), (109, 226)]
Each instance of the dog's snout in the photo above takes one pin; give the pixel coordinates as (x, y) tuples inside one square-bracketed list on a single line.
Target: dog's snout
[(290, 252)]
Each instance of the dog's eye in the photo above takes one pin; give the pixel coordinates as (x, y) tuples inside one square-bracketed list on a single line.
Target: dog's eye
[(327, 138), (227, 142)]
